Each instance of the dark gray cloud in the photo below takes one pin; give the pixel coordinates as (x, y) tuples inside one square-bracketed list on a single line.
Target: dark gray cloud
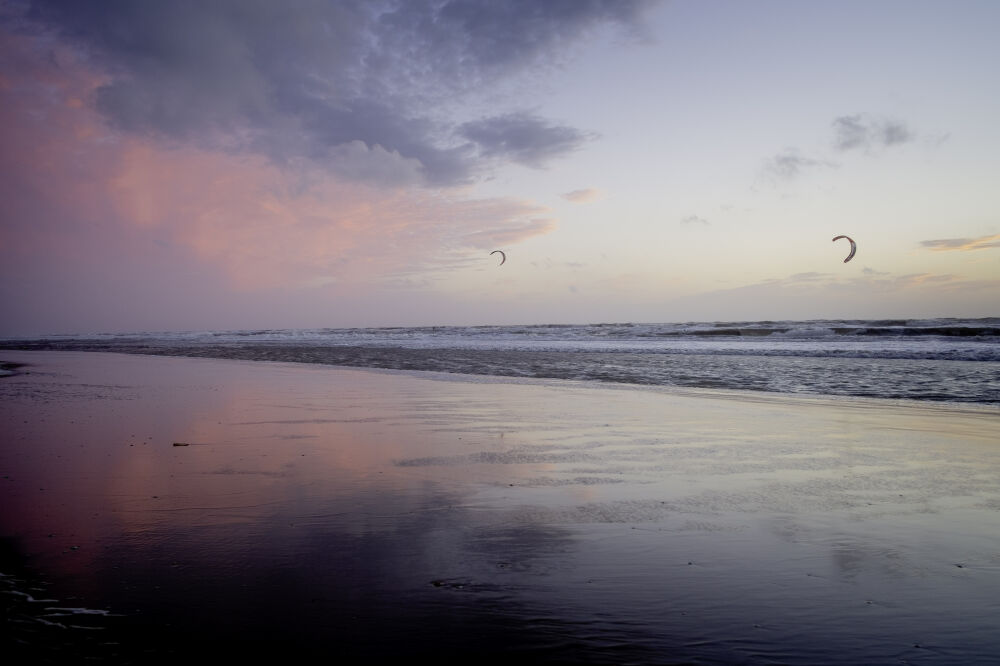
[(523, 138), (861, 131), (312, 78)]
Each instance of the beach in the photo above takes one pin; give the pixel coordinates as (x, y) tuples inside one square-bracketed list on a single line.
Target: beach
[(174, 505)]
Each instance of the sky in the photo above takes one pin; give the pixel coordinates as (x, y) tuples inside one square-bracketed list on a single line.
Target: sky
[(246, 164)]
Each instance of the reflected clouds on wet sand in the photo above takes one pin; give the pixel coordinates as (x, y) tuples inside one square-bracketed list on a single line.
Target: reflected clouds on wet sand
[(318, 510)]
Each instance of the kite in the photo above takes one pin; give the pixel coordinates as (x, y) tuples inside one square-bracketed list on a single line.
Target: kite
[(854, 247), (503, 257)]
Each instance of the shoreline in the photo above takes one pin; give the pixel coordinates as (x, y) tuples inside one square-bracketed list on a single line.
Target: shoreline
[(542, 520), (900, 366), (750, 395)]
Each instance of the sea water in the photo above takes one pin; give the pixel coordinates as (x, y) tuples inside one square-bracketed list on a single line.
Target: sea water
[(951, 360)]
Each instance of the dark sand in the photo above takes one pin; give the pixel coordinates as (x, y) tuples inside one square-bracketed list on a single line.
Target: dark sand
[(318, 511)]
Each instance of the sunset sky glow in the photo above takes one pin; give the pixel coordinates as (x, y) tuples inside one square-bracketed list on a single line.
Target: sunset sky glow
[(256, 164)]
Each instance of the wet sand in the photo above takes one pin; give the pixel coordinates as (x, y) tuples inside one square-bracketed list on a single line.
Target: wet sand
[(169, 505)]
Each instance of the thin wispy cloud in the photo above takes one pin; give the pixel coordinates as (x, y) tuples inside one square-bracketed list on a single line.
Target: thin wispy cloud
[(799, 279), (924, 278), (863, 131), (789, 165), (586, 195), (860, 131), (517, 230), (874, 281), (962, 244), (694, 220)]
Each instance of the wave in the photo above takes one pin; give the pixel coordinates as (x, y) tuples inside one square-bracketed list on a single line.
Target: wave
[(937, 359), (987, 327)]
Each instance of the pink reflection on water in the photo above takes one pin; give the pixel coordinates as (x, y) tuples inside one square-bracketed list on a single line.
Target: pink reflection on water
[(312, 502), (92, 462)]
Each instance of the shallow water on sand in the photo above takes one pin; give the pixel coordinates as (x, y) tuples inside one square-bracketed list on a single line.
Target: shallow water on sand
[(333, 512)]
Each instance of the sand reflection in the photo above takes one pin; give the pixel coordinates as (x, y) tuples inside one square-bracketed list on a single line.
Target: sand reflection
[(325, 509)]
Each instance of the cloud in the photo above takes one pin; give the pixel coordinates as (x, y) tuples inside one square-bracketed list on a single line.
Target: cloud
[(509, 233), (78, 195), (799, 279), (586, 195), (810, 276), (853, 296), (356, 160), (962, 244), (862, 131), (316, 80), (874, 280), (694, 219), (789, 165), (522, 138)]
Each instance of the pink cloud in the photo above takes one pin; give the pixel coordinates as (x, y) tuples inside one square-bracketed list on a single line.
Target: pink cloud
[(256, 221), (586, 195), (70, 183), (525, 229)]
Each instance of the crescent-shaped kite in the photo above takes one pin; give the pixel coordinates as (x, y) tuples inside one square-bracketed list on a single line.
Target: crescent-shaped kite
[(503, 257), (854, 247)]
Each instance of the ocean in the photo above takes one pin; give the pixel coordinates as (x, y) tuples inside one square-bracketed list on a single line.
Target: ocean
[(944, 360)]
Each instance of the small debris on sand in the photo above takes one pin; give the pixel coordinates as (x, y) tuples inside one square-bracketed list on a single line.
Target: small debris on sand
[(8, 369), (182, 444)]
